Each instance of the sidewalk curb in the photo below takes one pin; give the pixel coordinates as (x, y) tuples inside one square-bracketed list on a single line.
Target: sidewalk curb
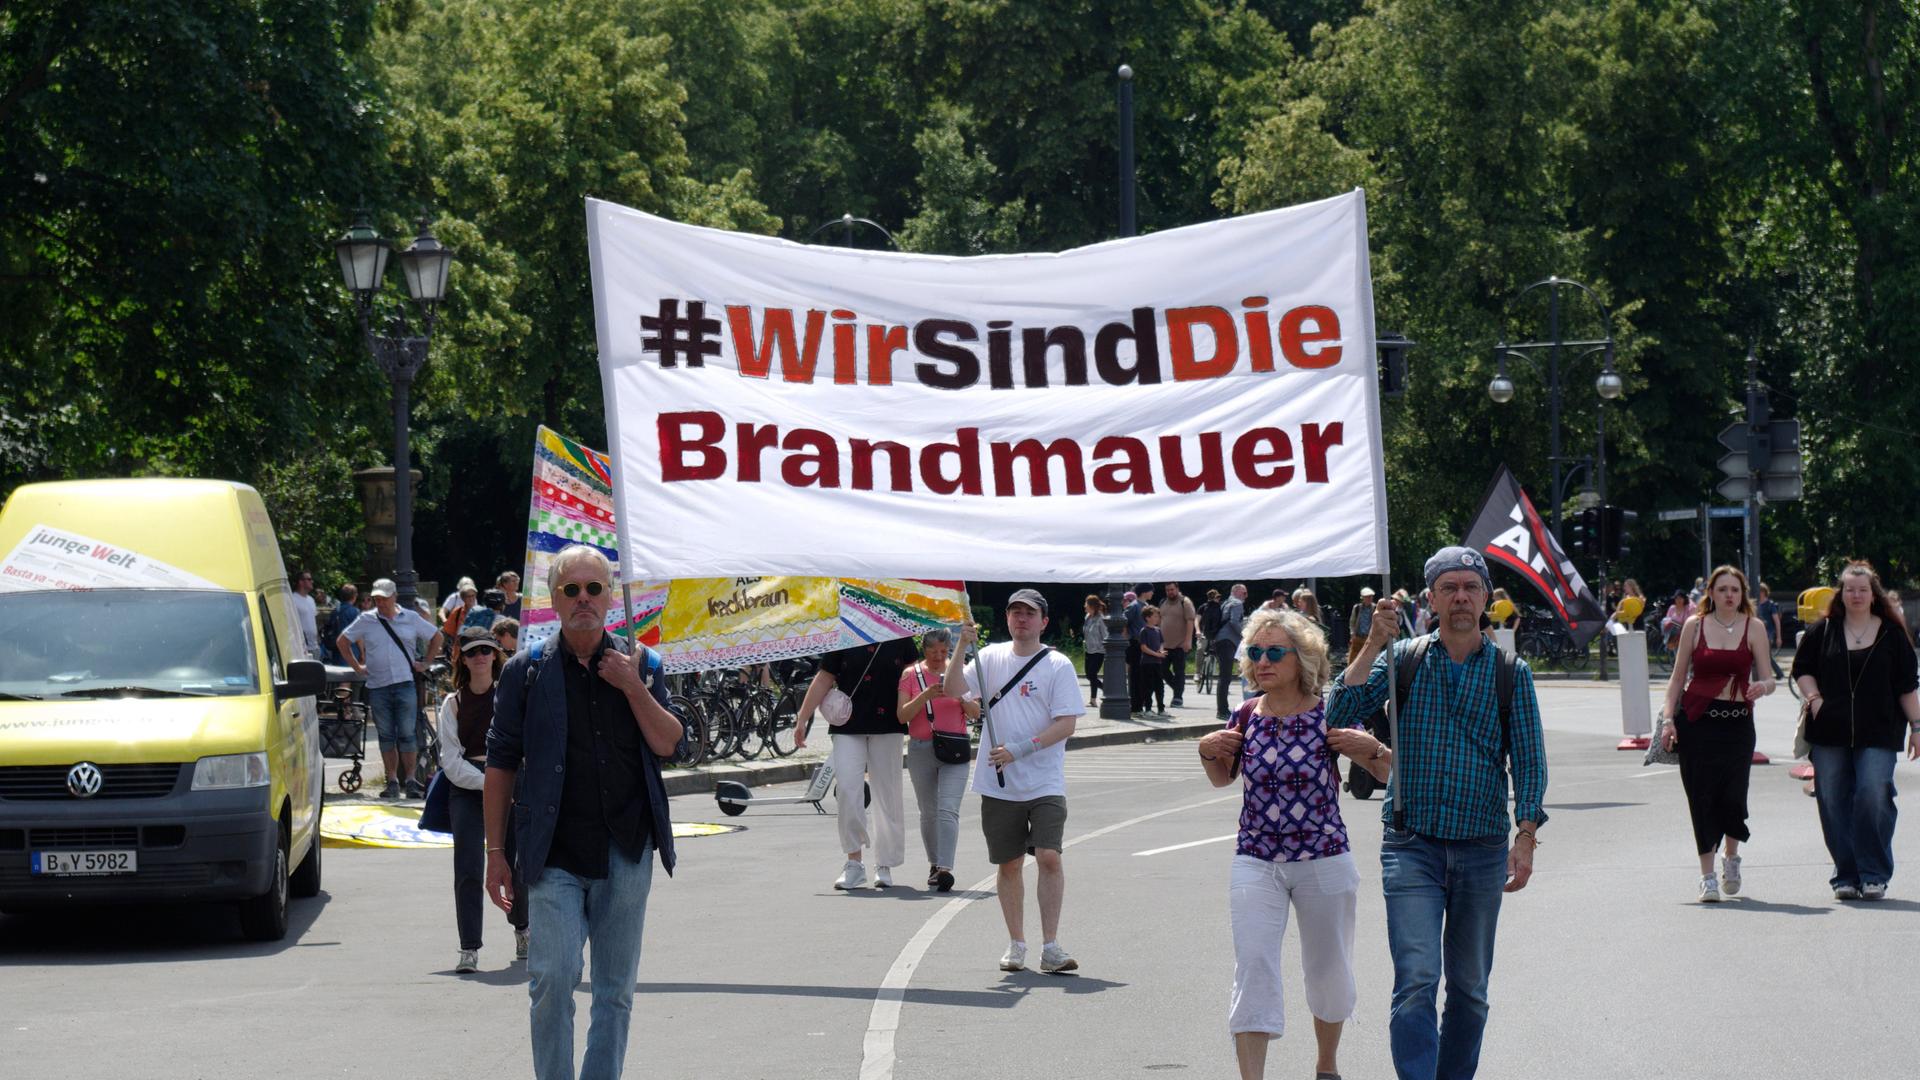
[(701, 781)]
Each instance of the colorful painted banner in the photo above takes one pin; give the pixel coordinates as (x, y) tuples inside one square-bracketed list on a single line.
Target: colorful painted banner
[(700, 623), (572, 504)]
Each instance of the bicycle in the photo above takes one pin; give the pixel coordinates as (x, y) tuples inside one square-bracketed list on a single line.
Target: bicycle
[(1205, 670), (433, 690)]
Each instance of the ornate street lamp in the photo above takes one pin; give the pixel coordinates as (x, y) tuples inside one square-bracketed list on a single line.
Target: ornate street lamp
[(401, 354)]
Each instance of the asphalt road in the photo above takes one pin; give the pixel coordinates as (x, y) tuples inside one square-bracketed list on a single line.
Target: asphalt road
[(755, 967)]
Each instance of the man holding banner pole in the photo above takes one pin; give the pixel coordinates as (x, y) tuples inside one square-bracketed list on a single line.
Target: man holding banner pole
[(1467, 714), (1033, 696)]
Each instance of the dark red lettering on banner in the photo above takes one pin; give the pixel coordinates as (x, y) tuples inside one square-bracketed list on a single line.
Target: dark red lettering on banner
[(694, 447)]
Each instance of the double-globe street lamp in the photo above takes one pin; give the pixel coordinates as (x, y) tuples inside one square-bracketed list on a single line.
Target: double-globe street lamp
[(400, 353), (1609, 386)]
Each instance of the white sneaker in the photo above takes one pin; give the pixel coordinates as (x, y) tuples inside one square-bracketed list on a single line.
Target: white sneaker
[(1730, 875), (1846, 892), (1873, 890), (1054, 959), (1015, 958), (468, 963), (854, 876), (883, 877), (1709, 890)]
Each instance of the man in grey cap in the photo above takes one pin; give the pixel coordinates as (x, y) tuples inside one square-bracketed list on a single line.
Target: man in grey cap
[(393, 642), (1445, 858), (1032, 699)]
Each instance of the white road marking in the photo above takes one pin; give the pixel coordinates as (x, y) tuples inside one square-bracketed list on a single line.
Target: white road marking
[(1653, 772), (1188, 844), (876, 1055)]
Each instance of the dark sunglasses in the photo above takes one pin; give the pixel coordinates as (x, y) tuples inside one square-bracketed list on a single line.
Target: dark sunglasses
[(1273, 653), (572, 589), (485, 650)]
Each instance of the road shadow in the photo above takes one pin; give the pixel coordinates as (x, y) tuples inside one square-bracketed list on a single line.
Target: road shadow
[(972, 999), (516, 975), (1769, 907), (904, 892), (148, 933), (1067, 982), (1890, 905)]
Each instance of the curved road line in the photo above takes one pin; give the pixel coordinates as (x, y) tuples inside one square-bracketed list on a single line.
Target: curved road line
[(876, 1056)]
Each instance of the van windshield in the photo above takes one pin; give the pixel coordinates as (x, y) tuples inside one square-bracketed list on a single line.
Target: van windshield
[(125, 642)]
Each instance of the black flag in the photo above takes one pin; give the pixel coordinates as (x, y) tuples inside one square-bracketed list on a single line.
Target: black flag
[(1509, 530)]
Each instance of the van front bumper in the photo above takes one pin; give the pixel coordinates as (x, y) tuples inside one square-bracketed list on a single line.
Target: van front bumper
[(194, 845)]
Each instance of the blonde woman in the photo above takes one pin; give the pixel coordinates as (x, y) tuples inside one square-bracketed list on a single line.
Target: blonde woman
[(1292, 855), (1709, 712)]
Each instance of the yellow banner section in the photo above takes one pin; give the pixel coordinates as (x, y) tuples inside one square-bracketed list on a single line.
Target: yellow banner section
[(729, 606)]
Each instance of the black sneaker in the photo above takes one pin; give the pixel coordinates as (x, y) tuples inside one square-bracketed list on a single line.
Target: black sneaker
[(391, 791), (415, 791), (1179, 702), (943, 881)]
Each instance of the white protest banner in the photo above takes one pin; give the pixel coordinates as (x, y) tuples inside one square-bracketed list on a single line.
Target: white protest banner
[(1194, 403)]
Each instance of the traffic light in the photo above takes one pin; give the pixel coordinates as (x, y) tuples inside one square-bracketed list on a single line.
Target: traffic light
[(1583, 534), (1617, 524)]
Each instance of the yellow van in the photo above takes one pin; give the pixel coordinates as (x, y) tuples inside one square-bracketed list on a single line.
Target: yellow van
[(158, 739)]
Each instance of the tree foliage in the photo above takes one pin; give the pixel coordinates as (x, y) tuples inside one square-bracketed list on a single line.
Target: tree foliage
[(1723, 174)]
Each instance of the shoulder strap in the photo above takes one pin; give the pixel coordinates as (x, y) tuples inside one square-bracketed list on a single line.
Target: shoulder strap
[(1018, 675), (1409, 666), (534, 653), (920, 672), (406, 657), (1505, 664)]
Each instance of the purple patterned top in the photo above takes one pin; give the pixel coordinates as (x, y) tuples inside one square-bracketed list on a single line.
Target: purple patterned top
[(1291, 812)]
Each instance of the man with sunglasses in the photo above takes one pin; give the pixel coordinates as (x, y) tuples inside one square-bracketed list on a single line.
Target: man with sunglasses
[(1445, 859), (581, 723)]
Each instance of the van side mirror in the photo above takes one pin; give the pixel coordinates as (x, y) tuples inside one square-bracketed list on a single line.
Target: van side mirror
[(305, 678)]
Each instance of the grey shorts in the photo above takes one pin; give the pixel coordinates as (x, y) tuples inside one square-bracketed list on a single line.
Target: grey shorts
[(1014, 828)]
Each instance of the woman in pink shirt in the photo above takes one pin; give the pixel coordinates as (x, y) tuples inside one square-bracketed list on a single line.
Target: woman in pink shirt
[(938, 786)]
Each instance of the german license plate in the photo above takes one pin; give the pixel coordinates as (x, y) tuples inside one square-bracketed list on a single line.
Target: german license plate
[(69, 863)]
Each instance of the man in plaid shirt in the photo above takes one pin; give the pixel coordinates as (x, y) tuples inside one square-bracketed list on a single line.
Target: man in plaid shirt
[(1444, 855)]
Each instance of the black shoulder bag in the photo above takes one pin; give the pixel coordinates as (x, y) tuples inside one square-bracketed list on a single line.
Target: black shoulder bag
[(949, 748)]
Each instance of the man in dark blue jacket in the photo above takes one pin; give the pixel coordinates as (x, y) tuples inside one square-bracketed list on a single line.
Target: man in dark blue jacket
[(580, 725)]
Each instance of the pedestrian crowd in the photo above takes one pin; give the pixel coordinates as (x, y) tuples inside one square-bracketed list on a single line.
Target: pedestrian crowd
[(559, 813)]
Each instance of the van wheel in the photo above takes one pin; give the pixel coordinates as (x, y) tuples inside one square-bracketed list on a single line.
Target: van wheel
[(306, 877), (264, 918)]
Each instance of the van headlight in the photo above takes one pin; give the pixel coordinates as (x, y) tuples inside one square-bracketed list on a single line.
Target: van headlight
[(230, 771)]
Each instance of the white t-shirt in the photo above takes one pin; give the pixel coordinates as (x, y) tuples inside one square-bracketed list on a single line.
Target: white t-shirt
[(307, 619), (1050, 690), (385, 664)]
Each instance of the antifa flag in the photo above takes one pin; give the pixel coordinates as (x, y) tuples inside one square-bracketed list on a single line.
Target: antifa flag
[(1509, 530)]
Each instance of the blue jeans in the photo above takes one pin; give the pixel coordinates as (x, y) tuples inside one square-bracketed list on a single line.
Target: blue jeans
[(1443, 903), (566, 913), (1855, 791), (396, 712)]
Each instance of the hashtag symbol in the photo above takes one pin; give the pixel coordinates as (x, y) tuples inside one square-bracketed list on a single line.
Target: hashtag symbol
[(675, 338)]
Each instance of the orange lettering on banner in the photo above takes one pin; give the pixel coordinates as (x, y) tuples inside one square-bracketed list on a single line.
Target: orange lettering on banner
[(1259, 336), (756, 359), (1295, 336), (882, 343), (1226, 344)]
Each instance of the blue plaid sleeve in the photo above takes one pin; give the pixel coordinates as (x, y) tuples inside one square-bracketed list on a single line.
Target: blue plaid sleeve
[(1529, 750), (1349, 706)]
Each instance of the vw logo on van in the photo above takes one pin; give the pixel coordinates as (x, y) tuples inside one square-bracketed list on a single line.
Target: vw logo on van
[(84, 780)]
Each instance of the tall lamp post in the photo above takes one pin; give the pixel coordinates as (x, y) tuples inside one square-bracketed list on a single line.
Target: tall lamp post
[(1608, 386), (1118, 702), (400, 353)]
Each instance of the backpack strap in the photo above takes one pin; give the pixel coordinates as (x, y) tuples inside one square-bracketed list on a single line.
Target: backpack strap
[(1505, 664), (1409, 666)]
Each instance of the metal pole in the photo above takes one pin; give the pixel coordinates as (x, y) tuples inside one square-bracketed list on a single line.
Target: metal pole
[(1126, 151), (1553, 384), (403, 572), (1706, 542), (1606, 531), (1755, 473), (1116, 685), (1393, 707)]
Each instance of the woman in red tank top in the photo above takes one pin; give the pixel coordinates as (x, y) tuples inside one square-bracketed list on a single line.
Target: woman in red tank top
[(1709, 713)]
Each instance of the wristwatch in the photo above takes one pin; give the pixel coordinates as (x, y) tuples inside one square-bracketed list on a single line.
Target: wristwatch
[(1379, 751)]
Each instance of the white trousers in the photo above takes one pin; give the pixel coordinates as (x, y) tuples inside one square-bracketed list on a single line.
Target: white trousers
[(1323, 892), (878, 757)]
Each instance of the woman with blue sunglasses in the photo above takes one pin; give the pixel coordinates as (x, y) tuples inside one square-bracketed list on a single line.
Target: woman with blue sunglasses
[(1292, 855)]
